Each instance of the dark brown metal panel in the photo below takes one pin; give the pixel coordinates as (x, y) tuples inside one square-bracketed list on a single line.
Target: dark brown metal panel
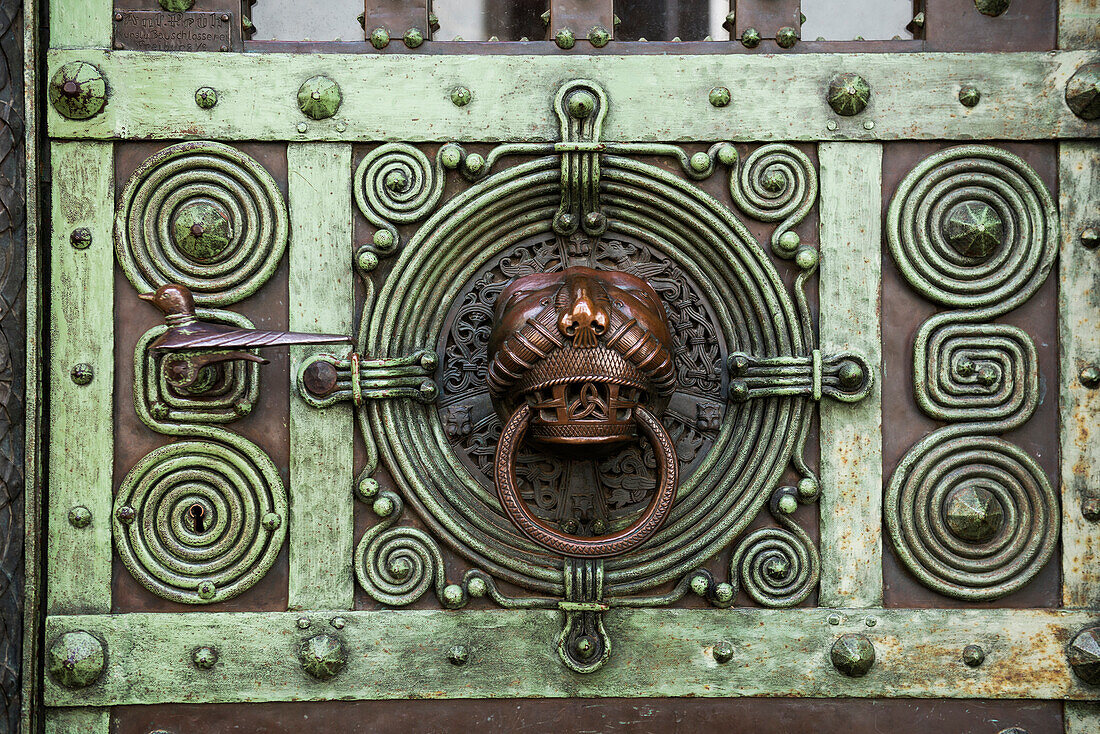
[(266, 425), (903, 311), (957, 25), (638, 716)]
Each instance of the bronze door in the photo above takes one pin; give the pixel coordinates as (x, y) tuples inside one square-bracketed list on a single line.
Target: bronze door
[(585, 382)]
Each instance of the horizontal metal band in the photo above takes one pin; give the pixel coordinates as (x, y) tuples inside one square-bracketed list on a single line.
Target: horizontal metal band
[(652, 98), (511, 654)]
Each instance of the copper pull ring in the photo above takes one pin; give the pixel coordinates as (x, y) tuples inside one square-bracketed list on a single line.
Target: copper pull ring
[(655, 514)]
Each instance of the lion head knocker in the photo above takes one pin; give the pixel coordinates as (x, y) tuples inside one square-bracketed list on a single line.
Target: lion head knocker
[(580, 361)]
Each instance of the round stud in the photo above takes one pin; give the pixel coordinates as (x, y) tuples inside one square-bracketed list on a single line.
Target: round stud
[(322, 656), (125, 514), (1083, 654), (786, 37), (581, 104), (204, 658), (720, 97), (599, 36), (833, 619), (739, 391), (807, 488), (76, 659), (338, 623), (81, 238), (723, 652), (870, 621), (850, 375), (853, 655), (750, 38), (973, 229), (973, 655), (595, 222), (367, 488), (82, 373), (992, 8), (380, 38), (80, 517), (384, 240), (476, 587), (723, 593), (450, 155), (383, 506), (788, 504), (868, 124), (848, 94), (206, 589), (319, 378), (271, 521), (319, 97), (1090, 376), (461, 96), (699, 162), (776, 568), (787, 244), (1090, 238), (973, 513), (459, 655), (473, 164), (1083, 92), (565, 39), (830, 125), (969, 96), (203, 230), (78, 90), (206, 97), (453, 596), (303, 623), (700, 584), (806, 258), (413, 37), (302, 127), (585, 647)]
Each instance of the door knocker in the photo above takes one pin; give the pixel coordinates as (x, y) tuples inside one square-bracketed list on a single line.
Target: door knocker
[(579, 362)]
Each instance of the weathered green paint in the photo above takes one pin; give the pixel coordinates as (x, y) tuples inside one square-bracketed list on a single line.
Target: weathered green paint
[(399, 655), (83, 720), (1077, 23), (80, 23), (81, 419), (321, 480), (1079, 346), (656, 98), (851, 434)]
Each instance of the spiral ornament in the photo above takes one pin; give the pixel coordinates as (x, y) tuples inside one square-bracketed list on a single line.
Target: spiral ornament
[(396, 565), (975, 371), (777, 567), (397, 184), (972, 516), (204, 215), (775, 183), (200, 521), (973, 227)]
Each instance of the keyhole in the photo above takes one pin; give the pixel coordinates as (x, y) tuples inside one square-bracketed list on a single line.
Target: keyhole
[(196, 512)]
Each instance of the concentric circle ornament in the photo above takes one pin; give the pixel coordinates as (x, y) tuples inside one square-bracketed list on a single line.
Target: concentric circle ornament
[(973, 227), (203, 215), (654, 219), (194, 521), (973, 516)]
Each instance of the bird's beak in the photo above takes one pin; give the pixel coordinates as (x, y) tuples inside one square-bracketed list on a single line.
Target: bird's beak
[(147, 296)]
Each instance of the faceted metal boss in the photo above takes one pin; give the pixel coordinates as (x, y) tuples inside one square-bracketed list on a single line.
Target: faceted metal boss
[(319, 97), (322, 656), (1083, 654), (973, 513), (1083, 92), (848, 94), (853, 655), (76, 659), (78, 90)]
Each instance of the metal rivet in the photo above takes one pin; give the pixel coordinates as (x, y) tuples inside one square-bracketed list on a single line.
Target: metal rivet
[(565, 39), (473, 164), (720, 96), (206, 590), (458, 655), (366, 261), (204, 657), (1090, 509), (80, 516), (453, 596), (206, 97), (973, 655), (848, 94), (413, 37), (723, 652), (81, 238), (78, 90), (969, 96), (302, 127), (598, 36), (868, 124), (303, 623), (380, 38), (786, 37), (477, 587), (338, 622), (1090, 376), (870, 621), (383, 506), (322, 656), (830, 125), (991, 8), (1083, 92), (384, 239), (833, 619), (723, 593), (461, 96), (581, 104), (82, 373), (125, 514), (271, 521), (700, 584), (853, 655), (118, 17), (750, 38), (76, 659), (1090, 238)]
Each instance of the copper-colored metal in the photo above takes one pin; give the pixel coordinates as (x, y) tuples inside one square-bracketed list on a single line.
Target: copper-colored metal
[(186, 331), (320, 378), (582, 348), (579, 360)]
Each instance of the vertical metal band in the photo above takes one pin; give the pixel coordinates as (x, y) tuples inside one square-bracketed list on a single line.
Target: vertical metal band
[(320, 301), (851, 433), (80, 23), (1078, 25)]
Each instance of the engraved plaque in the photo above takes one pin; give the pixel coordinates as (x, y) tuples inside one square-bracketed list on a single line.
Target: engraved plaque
[(157, 30)]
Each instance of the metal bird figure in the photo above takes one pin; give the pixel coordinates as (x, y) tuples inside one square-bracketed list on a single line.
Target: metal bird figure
[(187, 332)]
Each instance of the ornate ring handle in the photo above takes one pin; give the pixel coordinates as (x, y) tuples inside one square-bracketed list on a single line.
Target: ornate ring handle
[(504, 471)]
